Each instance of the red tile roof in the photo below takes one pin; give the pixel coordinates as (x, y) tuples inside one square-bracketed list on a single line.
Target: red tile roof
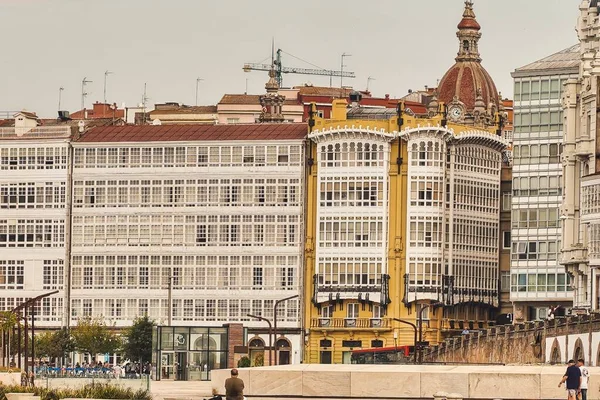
[(323, 91), (186, 110), (253, 99), (178, 133)]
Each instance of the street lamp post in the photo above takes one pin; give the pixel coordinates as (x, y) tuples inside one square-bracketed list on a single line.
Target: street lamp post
[(415, 335), (275, 324), (423, 308), (270, 332)]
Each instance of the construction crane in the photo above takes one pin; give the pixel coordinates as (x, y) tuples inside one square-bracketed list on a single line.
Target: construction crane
[(280, 69)]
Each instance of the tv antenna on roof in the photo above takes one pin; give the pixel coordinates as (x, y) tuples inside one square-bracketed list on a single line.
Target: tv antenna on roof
[(84, 94), (106, 74)]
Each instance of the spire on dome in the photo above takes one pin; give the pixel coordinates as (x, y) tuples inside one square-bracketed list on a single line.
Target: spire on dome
[(468, 35)]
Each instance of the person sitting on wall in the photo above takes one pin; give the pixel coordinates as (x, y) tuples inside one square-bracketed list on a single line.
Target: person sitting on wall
[(234, 387)]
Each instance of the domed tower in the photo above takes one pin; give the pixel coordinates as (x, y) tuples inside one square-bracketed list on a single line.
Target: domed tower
[(467, 89)]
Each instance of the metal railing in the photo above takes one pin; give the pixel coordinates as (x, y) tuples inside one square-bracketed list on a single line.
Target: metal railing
[(350, 323), (36, 132)]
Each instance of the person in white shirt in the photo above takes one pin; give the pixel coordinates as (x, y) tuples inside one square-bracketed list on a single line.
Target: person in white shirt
[(585, 377)]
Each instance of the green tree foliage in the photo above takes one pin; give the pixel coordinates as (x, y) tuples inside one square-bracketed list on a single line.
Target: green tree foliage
[(92, 336), (55, 344), (137, 340), (259, 360), (244, 362)]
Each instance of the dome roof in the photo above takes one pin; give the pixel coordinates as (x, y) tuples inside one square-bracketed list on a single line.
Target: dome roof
[(469, 23), (467, 76), (462, 80)]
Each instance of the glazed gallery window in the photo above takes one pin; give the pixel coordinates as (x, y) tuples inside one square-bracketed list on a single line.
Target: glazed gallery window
[(351, 232), (187, 193), (427, 154), (12, 274), (349, 271), (426, 191), (33, 158), (181, 230), (192, 156), (353, 154), (53, 274), (538, 121), (351, 191), (32, 195), (231, 272), (425, 231), (197, 309), (32, 233), (590, 199)]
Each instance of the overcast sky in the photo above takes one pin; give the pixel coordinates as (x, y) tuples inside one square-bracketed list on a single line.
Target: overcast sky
[(168, 44)]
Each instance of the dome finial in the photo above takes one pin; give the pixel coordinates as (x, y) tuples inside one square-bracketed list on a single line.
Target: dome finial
[(468, 35)]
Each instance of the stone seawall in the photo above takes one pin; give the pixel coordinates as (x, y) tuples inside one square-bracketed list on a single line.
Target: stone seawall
[(521, 343)]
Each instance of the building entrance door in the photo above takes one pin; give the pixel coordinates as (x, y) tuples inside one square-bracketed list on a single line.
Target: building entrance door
[(326, 357), (167, 370), (182, 366)]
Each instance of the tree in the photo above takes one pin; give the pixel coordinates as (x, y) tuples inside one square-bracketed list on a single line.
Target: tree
[(137, 340), (8, 320), (54, 344), (92, 336)]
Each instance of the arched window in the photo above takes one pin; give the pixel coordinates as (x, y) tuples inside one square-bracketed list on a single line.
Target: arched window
[(256, 342), (466, 45)]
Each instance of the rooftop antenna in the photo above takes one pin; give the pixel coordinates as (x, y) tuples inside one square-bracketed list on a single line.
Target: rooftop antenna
[(198, 80), (144, 100), (106, 74), (246, 92), (344, 55), (60, 90), (369, 79), (84, 94)]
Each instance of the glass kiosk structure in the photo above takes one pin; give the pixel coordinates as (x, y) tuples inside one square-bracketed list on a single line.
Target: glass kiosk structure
[(188, 353)]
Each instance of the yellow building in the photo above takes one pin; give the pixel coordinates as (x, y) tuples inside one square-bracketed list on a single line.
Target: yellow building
[(403, 216), (384, 240)]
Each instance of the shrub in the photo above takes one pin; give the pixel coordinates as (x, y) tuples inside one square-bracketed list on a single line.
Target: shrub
[(95, 391), (259, 360), (244, 362)]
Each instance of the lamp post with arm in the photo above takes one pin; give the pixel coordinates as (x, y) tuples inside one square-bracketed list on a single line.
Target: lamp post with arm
[(275, 323), (270, 333), (415, 335)]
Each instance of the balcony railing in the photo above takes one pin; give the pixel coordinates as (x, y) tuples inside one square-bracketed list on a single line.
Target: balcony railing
[(38, 132), (455, 324), (351, 323)]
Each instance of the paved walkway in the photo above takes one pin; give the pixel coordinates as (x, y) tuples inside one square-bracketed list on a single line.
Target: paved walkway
[(181, 390)]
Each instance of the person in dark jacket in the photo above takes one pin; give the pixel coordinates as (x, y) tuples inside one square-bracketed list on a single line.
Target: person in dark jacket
[(234, 387)]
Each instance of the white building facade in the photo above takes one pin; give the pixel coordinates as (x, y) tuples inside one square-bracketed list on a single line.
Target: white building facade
[(34, 180), (453, 215), (537, 280), (210, 218), (581, 166)]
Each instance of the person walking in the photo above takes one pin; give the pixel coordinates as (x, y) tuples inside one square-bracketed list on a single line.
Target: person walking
[(573, 378), (585, 378), (234, 387)]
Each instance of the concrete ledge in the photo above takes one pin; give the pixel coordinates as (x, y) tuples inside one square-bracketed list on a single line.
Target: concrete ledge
[(404, 381)]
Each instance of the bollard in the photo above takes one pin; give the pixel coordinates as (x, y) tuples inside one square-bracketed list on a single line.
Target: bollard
[(454, 396), (440, 396)]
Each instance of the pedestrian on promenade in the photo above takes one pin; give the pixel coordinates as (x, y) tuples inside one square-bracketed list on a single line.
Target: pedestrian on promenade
[(585, 377), (234, 387), (573, 378)]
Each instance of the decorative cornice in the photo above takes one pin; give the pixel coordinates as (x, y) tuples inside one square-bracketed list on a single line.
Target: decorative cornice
[(353, 131)]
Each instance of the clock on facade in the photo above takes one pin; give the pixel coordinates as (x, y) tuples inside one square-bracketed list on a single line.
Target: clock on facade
[(455, 112)]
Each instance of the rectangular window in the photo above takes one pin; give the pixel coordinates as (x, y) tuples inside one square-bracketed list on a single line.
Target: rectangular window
[(506, 240)]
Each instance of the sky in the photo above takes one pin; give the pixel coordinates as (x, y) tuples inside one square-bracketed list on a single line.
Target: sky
[(167, 45)]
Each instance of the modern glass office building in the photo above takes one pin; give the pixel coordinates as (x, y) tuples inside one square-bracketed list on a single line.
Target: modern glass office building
[(537, 280)]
